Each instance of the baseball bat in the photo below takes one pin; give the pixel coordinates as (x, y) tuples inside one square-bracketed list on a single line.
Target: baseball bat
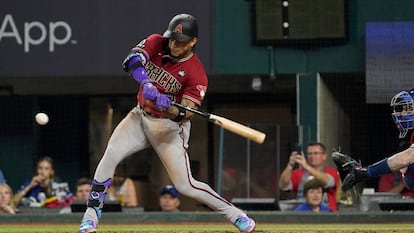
[(230, 125)]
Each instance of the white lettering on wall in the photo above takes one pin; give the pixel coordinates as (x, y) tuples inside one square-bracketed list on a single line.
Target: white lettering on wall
[(9, 30), (8, 19)]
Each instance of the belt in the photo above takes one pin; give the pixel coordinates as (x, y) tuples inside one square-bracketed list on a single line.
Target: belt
[(146, 113)]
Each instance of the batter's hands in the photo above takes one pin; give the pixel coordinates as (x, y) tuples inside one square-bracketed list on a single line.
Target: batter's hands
[(149, 91), (163, 102)]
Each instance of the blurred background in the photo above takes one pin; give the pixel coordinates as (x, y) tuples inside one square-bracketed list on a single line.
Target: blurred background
[(301, 71)]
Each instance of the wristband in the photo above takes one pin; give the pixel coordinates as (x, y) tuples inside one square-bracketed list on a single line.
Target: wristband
[(181, 114)]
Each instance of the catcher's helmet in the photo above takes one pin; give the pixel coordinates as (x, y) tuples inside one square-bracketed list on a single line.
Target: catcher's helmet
[(403, 111), (182, 27)]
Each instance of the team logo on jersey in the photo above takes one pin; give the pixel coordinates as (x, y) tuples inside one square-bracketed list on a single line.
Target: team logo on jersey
[(202, 89), (178, 29), (181, 73), (160, 76)]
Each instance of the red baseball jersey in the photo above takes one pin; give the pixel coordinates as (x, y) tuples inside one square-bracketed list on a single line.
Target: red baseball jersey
[(177, 78)]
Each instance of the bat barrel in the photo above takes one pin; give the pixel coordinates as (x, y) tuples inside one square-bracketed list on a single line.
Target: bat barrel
[(239, 129), (230, 125)]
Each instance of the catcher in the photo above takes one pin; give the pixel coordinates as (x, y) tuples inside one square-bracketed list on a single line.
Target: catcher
[(403, 116)]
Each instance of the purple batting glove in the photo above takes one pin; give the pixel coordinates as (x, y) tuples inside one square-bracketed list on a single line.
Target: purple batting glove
[(140, 75), (163, 102), (149, 91)]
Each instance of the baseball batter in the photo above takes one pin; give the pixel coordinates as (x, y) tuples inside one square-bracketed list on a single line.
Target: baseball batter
[(403, 116), (167, 70)]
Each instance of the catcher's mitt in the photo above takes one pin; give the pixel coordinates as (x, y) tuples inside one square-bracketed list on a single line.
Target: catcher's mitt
[(344, 163)]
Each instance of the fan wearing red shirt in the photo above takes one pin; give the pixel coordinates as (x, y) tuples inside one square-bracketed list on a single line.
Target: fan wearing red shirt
[(313, 166)]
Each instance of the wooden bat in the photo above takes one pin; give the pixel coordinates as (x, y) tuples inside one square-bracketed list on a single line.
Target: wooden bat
[(230, 125)]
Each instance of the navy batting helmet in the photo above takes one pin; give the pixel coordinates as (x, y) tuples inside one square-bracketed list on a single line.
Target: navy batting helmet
[(182, 27)]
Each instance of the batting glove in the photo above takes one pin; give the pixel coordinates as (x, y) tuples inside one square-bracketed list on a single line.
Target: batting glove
[(149, 91), (163, 102)]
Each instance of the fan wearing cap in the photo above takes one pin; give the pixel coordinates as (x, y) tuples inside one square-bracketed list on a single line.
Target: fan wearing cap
[(167, 70), (169, 199)]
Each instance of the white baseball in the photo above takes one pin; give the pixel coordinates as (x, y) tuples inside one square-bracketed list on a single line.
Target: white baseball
[(42, 118)]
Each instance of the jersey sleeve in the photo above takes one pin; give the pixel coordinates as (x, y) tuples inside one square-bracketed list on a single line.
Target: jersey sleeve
[(332, 172), (150, 46), (196, 85)]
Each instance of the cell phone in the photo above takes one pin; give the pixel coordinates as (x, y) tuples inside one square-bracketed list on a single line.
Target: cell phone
[(299, 148)]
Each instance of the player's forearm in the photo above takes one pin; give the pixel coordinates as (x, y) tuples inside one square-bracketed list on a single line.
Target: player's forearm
[(401, 159), (173, 112)]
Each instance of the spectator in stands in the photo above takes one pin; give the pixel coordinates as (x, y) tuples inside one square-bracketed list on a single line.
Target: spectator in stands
[(2, 179), (313, 190), (83, 187), (6, 203), (312, 166), (44, 188), (123, 189), (393, 183), (169, 199)]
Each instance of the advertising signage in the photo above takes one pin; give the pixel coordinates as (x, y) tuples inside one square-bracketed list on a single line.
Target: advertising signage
[(57, 38)]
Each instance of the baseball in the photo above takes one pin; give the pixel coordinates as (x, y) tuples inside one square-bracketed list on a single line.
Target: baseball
[(42, 118)]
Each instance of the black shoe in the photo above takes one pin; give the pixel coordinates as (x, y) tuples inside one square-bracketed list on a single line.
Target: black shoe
[(358, 174), (344, 163)]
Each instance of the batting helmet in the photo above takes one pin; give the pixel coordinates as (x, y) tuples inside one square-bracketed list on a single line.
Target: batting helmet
[(182, 27)]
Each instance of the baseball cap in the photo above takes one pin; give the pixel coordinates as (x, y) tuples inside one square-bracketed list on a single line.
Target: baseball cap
[(171, 190)]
